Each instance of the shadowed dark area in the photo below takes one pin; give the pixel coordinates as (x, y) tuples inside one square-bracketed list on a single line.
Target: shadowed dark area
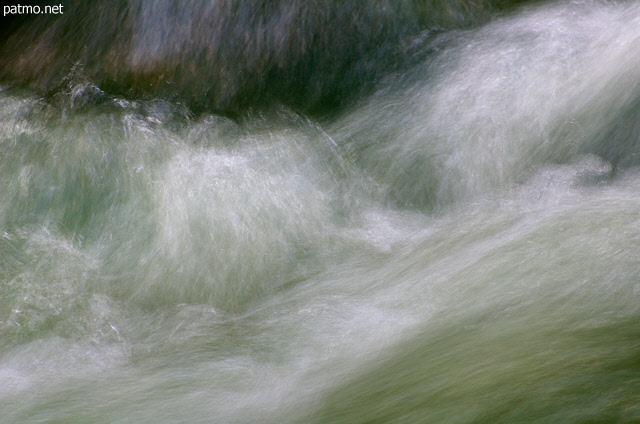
[(229, 55)]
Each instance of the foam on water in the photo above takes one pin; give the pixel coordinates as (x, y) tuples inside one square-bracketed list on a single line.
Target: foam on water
[(460, 247), (557, 82)]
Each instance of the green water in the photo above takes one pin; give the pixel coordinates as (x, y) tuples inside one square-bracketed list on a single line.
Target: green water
[(458, 248)]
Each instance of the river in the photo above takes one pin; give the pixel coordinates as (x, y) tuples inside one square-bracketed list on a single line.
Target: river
[(460, 246)]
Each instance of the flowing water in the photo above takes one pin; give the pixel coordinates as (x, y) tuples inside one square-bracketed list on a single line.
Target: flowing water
[(460, 247)]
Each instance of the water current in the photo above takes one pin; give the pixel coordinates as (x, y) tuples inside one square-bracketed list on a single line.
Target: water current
[(461, 246)]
